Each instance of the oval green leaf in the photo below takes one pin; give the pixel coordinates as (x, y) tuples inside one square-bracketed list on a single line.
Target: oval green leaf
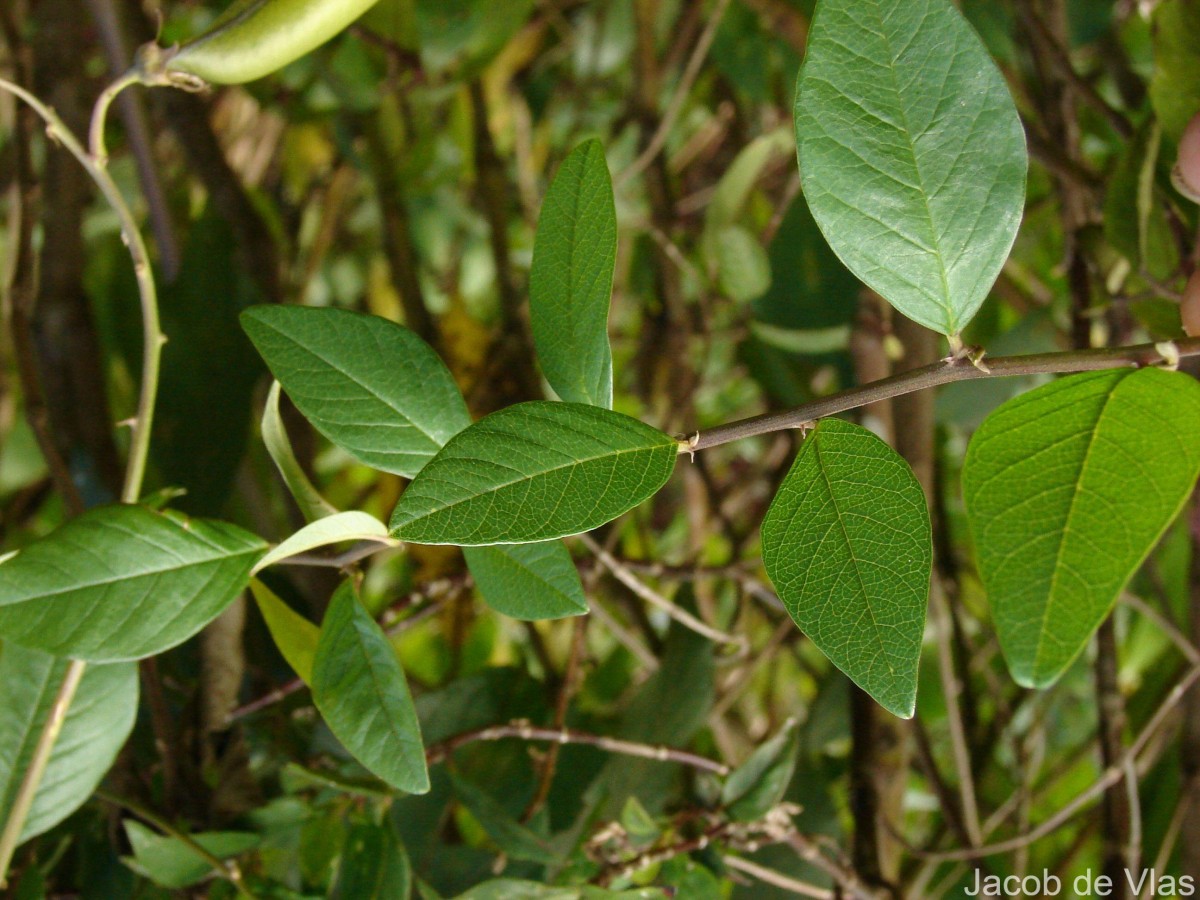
[(97, 724), (1067, 488), (122, 582), (369, 385), (911, 153), (528, 581), (532, 472), (362, 694), (570, 282), (848, 546)]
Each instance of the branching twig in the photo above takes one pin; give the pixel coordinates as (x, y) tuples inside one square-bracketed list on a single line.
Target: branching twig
[(523, 730), (935, 374), (682, 616)]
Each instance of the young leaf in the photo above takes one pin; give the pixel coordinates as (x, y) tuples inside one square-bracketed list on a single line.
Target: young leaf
[(532, 472), (97, 724), (759, 784), (847, 544), (570, 282), (516, 840), (362, 694), (369, 385), (170, 863), (274, 434), (122, 582), (528, 581), (911, 152), (294, 635), (1067, 489), (344, 526)]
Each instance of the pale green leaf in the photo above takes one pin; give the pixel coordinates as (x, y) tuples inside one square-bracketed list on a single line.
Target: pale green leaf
[(275, 438), (736, 185), (363, 696), (97, 724), (570, 283), (369, 385), (528, 581), (1067, 489), (172, 863), (122, 582), (294, 635), (911, 153), (532, 472), (344, 526), (743, 268), (848, 547)]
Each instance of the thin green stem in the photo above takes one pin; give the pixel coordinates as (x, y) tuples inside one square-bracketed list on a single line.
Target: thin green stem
[(944, 372), (228, 869), (95, 163)]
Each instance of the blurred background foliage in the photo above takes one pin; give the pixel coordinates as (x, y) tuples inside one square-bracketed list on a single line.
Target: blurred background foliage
[(399, 170)]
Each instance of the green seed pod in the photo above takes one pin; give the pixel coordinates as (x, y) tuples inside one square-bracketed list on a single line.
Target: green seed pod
[(254, 38)]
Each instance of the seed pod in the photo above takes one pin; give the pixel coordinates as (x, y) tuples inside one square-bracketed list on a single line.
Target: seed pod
[(1186, 173), (1189, 306), (254, 38)]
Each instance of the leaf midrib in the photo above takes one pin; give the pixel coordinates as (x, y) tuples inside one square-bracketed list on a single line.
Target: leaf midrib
[(946, 302), (1043, 630), (853, 557)]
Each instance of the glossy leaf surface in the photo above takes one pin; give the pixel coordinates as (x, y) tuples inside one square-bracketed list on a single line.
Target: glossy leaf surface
[(363, 696), (369, 385), (532, 472), (97, 724), (911, 153), (570, 284), (1067, 488), (847, 544), (122, 582), (528, 581)]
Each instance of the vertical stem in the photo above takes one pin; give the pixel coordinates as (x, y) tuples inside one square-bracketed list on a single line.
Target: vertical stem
[(139, 448)]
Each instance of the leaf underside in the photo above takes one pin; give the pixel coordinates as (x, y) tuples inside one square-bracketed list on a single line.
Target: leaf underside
[(911, 153)]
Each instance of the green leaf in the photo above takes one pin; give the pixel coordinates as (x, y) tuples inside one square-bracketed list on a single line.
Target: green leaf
[(97, 724), (528, 581), (122, 582), (1175, 87), (760, 783), (369, 385), (532, 472), (743, 269), (911, 153), (275, 438), (1067, 489), (344, 526), (171, 863), (362, 694), (294, 635), (513, 838), (570, 283), (847, 544), (373, 864)]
